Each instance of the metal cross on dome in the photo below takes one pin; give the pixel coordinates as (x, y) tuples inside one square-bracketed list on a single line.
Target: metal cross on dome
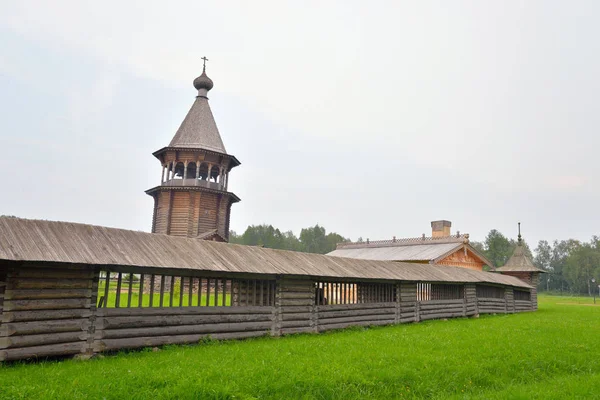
[(205, 60)]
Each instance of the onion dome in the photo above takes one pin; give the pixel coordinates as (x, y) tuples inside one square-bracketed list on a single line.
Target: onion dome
[(203, 82)]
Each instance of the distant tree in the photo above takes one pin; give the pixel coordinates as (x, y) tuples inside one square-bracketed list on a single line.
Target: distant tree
[(543, 260), (312, 240), (498, 248), (582, 264)]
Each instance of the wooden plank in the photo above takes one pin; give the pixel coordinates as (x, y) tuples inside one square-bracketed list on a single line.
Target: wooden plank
[(296, 309), (106, 286), (296, 317), (347, 313), (129, 343), (124, 312), (52, 273), (295, 302), (295, 324), (297, 295), (360, 318), (184, 330), (441, 315), (21, 316), (45, 304), (34, 283), (38, 327), (442, 310), (440, 302), (360, 306), (33, 294), (169, 320), (43, 339), (60, 349)]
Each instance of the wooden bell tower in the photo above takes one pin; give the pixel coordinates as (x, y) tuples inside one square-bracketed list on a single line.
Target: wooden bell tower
[(192, 199)]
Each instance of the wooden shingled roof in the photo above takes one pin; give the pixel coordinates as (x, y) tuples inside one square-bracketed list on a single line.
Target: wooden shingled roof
[(519, 262), (65, 242)]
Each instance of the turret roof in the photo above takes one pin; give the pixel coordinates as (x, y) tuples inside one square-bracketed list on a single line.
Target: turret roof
[(519, 261), (199, 130)]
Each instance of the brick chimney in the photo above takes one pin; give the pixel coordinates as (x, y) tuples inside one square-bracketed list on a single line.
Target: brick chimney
[(440, 228)]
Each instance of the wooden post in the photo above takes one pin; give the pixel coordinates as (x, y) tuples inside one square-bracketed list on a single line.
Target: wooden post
[(277, 310), (118, 296), (141, 291), (93, 309), (130, 290)]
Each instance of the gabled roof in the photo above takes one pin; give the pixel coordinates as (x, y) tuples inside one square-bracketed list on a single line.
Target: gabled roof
[(417, 252), (425, 249), (199, 130), (519, 262), (64, 242)]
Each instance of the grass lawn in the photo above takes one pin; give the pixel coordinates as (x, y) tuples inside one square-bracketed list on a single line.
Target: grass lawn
[(550, 354), (135, 297)]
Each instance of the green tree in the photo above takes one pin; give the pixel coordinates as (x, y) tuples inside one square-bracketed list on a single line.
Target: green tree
[(312, 240), (498, 248), (543, 260), (581, 266)]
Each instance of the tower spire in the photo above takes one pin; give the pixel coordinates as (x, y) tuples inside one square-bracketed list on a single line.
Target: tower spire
[(520, 240)]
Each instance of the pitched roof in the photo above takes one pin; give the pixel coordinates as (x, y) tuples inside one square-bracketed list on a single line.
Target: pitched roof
[(64, 242), (519, 262), (430, 249), (199, 130), (417, 252)]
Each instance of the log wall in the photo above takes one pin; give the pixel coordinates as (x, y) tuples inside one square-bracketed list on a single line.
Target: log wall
[(46, 312), (142, 327), (295, 303), (50, 311)]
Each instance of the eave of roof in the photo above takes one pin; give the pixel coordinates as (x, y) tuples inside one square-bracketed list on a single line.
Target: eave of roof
[(155, 189), (235, 161)]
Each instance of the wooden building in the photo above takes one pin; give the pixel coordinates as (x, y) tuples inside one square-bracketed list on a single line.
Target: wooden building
[(441, 248), (192, 199), (74, 289), (521, 266)]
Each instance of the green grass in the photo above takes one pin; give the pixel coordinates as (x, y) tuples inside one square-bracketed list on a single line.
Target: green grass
[(550, 354), (112, 297)]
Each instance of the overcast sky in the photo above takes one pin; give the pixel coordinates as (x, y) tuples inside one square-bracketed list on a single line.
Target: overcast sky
[(369, 118)]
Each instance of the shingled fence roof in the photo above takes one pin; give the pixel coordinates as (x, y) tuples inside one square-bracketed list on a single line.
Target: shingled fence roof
[(65, 242)]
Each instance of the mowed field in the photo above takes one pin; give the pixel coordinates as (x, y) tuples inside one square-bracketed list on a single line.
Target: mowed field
[(550, 354)]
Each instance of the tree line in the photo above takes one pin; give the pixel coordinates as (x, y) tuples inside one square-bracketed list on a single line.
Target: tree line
[(571, 264), (311, 240)]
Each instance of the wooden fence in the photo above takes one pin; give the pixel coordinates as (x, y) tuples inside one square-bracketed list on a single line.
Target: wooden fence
[(54, 310)]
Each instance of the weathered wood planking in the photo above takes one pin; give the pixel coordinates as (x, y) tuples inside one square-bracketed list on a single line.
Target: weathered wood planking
[(294, 297), (46, 312)]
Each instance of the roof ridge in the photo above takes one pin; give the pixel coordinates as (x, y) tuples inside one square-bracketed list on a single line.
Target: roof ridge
[(461, 238)]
